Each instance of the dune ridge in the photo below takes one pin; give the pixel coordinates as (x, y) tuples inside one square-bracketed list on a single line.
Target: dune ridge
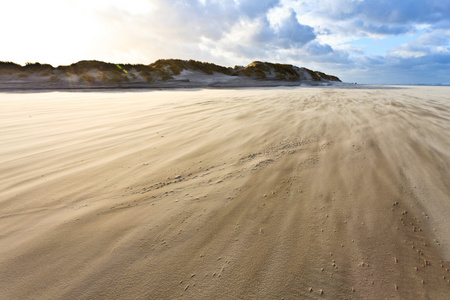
[(290, 193), (163, 73)]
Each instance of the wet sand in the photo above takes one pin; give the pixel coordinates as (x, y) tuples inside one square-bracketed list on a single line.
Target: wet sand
[(226, 194)]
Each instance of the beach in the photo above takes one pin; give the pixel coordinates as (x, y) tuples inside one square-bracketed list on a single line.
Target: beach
[(258, 193)]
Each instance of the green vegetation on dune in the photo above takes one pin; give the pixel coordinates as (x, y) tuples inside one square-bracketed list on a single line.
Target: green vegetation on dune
[(84, 66), (37, 67), (256, 68), (7, 65), (327, 77), (261, 70), (9, 68), (176, 66), (286, 72)]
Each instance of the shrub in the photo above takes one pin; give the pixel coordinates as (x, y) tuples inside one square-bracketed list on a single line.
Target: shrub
[(256, 68), (176, 66), (173, 66), (7, 67), (84, 66), (286, 72), (208, 68), (313, 74), (321, 75), (37, 67)]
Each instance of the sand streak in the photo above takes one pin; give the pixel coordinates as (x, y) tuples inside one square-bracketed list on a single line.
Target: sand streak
[(222, 194)]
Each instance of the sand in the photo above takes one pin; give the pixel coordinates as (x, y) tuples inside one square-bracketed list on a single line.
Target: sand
[(226, 194)]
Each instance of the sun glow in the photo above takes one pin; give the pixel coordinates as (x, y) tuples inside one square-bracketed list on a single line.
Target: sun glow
[(134, 7), (59, 32)]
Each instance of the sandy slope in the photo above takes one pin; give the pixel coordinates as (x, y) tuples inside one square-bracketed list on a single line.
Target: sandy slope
[(222, 194)]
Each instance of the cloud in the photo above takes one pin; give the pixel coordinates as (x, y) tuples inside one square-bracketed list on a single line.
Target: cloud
[(254, 9), (292, 32), (372, 17), (231, 30), (353, 28), (411, 63), (191, 20), (431, 43), (316, 48)]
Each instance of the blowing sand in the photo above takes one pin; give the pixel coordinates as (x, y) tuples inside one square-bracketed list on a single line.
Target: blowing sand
[(226, 194)]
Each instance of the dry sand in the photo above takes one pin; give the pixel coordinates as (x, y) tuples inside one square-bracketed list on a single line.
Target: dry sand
[(226, 194)]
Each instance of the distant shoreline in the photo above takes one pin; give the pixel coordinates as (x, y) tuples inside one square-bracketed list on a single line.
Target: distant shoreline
[(193, 88)]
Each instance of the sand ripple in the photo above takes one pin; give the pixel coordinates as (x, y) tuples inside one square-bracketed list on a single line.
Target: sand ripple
[(259, 193)]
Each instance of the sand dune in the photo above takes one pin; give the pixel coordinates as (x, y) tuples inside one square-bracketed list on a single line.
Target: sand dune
[(163, 73), (226, 194)]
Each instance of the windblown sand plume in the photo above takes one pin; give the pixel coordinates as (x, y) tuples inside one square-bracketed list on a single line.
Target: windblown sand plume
[(226, 194)]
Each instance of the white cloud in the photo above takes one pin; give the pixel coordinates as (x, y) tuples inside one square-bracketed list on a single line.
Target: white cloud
[(236, 29)]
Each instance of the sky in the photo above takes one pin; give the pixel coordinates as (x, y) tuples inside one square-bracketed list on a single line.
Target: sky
[(363, 41)]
